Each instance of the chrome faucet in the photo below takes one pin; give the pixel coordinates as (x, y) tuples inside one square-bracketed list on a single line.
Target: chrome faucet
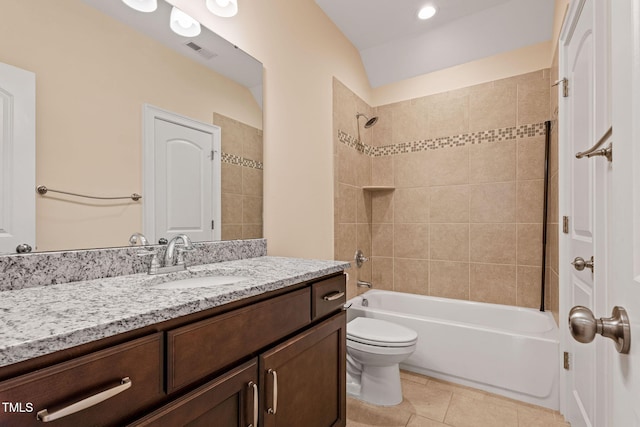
[(363, 284), (171, 259), (138, 238)]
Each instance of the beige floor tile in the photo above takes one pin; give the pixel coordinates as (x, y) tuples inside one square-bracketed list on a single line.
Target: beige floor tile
[(533, 421), (468, 412), (535, 412), (362, 414), (426, 400), (418, 421), (458, 389), (412, 376)]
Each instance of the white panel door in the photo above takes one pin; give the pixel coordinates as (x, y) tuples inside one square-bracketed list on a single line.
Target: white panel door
[(17, 158), (584, 383), (624, 260), (182, 188), (183, 181)]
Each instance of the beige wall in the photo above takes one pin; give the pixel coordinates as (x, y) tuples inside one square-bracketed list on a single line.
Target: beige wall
[(301, 50), (465, 217), (93, 75)]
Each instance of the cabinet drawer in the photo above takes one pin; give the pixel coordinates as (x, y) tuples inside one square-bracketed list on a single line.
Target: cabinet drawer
[(197, 350), (327, 296), (58, 387)]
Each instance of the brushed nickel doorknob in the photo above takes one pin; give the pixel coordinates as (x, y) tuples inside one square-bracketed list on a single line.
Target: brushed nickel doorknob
[(584, 327), (579, 264)]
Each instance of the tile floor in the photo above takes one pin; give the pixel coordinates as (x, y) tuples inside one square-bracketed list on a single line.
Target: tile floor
[(429, 402)]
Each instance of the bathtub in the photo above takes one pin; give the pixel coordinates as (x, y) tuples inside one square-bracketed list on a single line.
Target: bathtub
[(501, 349)]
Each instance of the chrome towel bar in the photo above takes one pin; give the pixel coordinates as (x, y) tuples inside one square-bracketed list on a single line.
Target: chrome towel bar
[(42, 190), (606, 152)]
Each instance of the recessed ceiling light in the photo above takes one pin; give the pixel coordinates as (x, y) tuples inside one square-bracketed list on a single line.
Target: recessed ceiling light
[(427, 12), (183, 24), (142, 5)]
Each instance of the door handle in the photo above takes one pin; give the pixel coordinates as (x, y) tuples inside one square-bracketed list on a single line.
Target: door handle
[(580, 264), (584, 327)]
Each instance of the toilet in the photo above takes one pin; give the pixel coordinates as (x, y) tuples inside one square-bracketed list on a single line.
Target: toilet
[(374, 350)]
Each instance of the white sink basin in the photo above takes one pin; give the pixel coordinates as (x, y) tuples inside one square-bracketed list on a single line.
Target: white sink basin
[(200, 282)]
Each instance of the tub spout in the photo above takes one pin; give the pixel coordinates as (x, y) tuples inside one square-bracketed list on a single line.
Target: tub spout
[(363, 284)]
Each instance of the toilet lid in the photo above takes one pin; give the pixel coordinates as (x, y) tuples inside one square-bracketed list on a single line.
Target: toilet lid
[(380, 332)]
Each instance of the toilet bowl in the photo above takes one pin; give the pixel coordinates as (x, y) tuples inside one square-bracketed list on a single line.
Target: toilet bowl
[(374, 350)]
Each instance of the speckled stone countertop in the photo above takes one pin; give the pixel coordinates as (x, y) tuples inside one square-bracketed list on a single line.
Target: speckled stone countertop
[(41, 320)]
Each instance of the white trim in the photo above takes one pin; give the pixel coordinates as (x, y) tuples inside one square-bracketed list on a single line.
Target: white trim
[(149, 115)]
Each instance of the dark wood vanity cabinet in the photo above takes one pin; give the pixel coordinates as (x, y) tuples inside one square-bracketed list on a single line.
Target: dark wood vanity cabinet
[(279, 361)]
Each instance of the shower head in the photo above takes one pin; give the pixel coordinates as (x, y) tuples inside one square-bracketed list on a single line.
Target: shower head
[(370, 121)]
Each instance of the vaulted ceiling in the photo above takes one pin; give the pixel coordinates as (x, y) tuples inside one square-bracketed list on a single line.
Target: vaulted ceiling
[(395, 44)]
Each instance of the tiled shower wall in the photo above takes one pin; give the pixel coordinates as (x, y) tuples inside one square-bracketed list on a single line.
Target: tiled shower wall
[(241, 179), (464, 216)]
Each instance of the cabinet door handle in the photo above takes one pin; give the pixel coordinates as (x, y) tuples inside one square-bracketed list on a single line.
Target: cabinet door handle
[(333, 296), (88, 402), (275, 392), (254, 386)]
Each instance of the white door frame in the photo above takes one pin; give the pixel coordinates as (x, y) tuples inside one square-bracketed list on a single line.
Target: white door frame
[(149, 116)]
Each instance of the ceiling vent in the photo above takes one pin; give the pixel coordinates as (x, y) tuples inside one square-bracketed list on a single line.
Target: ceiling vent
[(207, 54)]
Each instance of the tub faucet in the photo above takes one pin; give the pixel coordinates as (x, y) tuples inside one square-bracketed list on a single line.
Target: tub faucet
[(363, 284)]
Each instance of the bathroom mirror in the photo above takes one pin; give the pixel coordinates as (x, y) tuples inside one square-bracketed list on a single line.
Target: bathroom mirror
[(96, 64)]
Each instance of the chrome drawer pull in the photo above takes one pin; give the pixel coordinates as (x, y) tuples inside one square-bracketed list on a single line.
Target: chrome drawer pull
[(254, 386), (333, 296), (90, 401), (275, 393)]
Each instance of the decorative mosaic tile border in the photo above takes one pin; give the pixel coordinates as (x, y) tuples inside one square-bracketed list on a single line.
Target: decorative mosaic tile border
[(462, 140), (234, 159)]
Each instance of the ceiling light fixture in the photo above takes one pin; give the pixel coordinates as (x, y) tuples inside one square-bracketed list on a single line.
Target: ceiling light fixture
[(183, 24), (223, 8), (142, 5), (427, 12)]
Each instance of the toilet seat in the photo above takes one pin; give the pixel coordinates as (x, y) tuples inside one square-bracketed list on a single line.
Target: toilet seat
[(380, 333)]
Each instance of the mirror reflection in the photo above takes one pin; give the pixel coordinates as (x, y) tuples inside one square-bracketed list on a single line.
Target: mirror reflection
[(97, 63)]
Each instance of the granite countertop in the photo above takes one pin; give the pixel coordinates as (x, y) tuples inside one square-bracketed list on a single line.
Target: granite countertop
[(41, 320)]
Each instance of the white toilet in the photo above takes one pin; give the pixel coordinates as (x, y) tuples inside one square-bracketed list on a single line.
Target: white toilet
[(374, 350)]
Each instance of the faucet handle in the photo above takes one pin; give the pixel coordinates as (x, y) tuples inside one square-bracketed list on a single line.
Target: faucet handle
[(154, 264)]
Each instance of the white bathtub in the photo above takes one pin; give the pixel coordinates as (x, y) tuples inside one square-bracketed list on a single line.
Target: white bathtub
[(506, 350)]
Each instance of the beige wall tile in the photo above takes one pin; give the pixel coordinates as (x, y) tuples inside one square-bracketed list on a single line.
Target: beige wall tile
[(448, 113), (252, 143), (411, 169), (231, 181), (411, 241), (529, 280), (251, 181), (252, 210), (530, 244), (449, 279), (411, 205), (231, 134), (409, 119), (493, 243), (383, 130), (231, 231), (494, 202), (382, 206), (382, 273), (364, 213), (344, 108), (552, 257), (530, 201), (364, 239), (493, 283), (251, 231), (449, 166), (363, 169), (553, 214), (533, 101), (492, 107), (231, 209), (347, 157), (552, 292), (531, 158), (382, 170), (492, 162), (345, 241), (411, 275), (382, 240), (449, 204), (449, 242), (346, 203)]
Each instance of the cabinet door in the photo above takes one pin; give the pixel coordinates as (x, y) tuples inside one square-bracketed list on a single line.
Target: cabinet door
[(304, 378), (230, 400)]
